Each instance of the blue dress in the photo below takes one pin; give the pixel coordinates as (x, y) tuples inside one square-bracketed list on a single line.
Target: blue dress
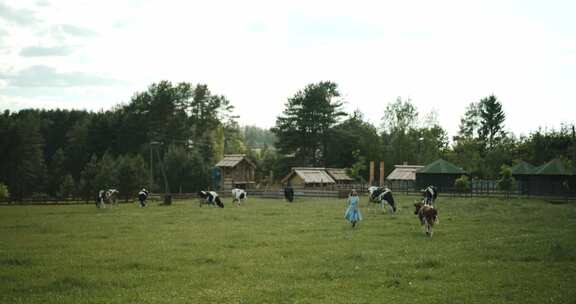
[(353, 213)]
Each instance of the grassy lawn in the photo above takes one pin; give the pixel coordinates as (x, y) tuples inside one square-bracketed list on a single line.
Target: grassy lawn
[(268, 251)]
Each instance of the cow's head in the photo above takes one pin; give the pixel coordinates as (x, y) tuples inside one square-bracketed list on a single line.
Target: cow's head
[(418, 206)]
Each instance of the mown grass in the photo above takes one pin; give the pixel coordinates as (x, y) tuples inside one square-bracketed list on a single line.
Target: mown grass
[(268, 251)]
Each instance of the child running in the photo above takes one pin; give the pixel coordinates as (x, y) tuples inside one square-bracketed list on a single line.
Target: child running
[(353, 212)]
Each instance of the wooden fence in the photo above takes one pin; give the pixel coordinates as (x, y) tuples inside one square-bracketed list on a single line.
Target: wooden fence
[(480, 189)]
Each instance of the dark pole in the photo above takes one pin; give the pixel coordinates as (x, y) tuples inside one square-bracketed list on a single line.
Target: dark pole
[(573, 154), (167, 196), (151, 168)]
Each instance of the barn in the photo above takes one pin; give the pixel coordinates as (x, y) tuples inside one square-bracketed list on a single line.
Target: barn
[(521, 173), (403, 177), (440, 173), (236, 171), (308, 177)]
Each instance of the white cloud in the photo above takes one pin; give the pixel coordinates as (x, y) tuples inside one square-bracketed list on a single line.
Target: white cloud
[(442, 54)]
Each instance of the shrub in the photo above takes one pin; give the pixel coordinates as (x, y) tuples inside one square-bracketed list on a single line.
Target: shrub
[(462, 184), (4, 194), (506, 181)]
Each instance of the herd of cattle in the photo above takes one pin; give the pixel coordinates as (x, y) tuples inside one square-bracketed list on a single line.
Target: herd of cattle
[(425, 209)]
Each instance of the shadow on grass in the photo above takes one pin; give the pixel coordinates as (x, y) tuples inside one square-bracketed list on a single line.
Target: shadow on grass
[(560, 253), (428, 263), (16, 262)]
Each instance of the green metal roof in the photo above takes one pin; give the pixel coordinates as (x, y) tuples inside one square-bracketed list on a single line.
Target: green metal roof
[(523, 168), (553, 167), (441, 166)]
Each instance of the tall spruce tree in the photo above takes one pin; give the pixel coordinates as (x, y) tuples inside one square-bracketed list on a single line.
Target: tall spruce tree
[(303, 127), (492, 121)]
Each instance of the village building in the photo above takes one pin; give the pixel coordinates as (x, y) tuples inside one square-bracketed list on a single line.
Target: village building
[(236, 171), (403, 177), (440, 173), (315, 177)]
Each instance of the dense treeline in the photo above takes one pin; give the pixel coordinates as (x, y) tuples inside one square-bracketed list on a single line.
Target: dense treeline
[(65, 153)]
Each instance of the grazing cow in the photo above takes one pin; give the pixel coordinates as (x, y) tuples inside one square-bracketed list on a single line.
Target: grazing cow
[(210, 198), (238, 195), (111, 196), (428, 216), (142, 196), (289, 193), (380, 195), (430, 194), (100, 199), (104, 197)]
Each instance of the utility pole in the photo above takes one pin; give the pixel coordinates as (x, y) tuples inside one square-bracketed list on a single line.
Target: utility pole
[(167, 195)]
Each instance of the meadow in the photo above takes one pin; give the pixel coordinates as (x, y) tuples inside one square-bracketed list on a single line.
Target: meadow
[(269, 251)]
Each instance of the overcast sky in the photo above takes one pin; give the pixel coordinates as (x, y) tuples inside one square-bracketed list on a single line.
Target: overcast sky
[(441, 54)]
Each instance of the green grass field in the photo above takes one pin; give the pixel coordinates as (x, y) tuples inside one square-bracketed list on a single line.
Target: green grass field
[(269, 251)]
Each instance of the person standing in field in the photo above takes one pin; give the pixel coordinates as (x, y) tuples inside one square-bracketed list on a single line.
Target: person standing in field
[(353, 214)]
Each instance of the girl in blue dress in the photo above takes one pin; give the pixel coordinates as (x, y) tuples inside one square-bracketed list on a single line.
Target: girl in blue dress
[(353, 212)]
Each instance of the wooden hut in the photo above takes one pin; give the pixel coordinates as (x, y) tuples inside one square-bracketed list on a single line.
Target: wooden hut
[(551, 178), (521, 173), (403, 177), (237, 171), (340, 176), (440, 173), (308, 177)]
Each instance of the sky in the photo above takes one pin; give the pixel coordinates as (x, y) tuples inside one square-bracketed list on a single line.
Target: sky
[(442, 55)]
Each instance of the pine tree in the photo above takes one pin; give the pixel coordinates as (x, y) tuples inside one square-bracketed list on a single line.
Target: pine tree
[(303, 127), (492, 121)]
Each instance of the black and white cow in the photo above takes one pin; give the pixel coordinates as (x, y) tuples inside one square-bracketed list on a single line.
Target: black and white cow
[(238, 196), (100, 199), (210, 198), (142, 196), (380, 195), (430, 195), (111, 196)]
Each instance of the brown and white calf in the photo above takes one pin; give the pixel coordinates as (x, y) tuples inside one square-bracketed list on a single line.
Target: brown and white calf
[(428, 216)]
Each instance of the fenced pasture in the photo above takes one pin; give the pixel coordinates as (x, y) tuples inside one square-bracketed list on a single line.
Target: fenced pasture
[(268, 251)]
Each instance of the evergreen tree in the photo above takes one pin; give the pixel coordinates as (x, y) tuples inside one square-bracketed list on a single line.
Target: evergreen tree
[(56, 171), (107, 173), (353, 135), (68, 187), (132, 175), (492, 122), (88, 188), (303, 127), (26, 166)]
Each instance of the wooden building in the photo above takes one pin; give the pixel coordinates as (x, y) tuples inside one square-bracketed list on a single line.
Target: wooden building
[(340, 176), (308, 177), (403, 177), (236, 171), (551, 178), (439, 173), (522, 172)]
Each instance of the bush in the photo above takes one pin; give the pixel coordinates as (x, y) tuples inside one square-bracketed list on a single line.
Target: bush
[(4, 194), (462, 184), (506, 182)]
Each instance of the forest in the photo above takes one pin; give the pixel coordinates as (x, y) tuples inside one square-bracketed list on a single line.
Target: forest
[(73, 153)]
